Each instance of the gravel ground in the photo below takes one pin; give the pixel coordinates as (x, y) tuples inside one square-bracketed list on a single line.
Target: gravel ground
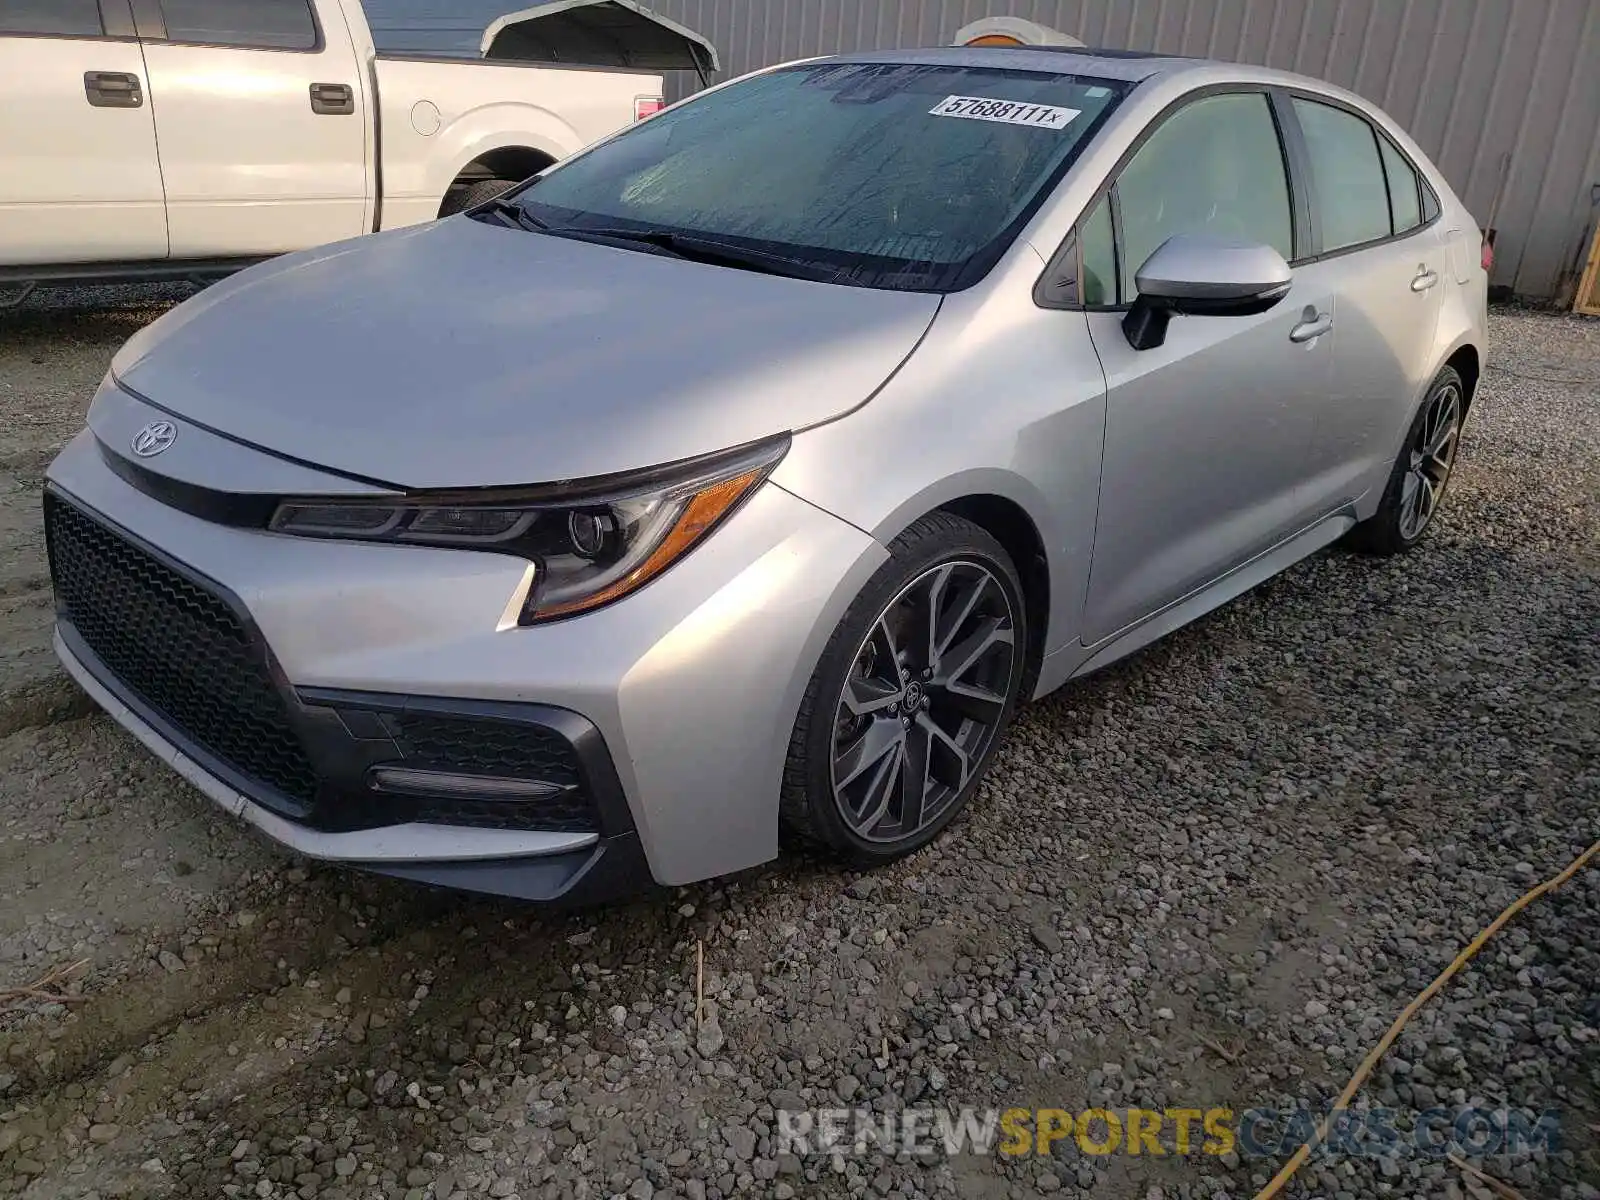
[(1209, 876)]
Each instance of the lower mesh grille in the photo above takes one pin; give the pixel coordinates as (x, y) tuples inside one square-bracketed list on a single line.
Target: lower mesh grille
[(476, 746), (179, 647), (486, 747)]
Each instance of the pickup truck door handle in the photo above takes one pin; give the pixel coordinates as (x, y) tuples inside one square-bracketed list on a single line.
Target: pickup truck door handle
[(1424, 279), (333, 99), (1312, 325), (112, 89)]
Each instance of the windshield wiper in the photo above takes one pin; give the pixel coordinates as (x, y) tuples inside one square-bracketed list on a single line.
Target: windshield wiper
[(680, 245), (511, 211), (698, 248)]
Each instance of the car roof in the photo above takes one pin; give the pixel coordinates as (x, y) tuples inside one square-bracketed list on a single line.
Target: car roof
[(1130, 65)]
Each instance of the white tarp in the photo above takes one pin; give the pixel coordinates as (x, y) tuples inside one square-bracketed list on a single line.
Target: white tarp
[(599, 33)]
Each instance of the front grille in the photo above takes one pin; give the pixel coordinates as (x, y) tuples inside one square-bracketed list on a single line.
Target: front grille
[(184, 654), (178, 647), (484, 746)]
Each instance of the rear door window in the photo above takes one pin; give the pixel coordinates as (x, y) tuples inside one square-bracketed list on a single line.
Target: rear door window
[(258, 24), (1346, 175), (61, 18)]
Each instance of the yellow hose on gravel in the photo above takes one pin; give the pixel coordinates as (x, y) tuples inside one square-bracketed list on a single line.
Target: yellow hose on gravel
[(1427, 993)]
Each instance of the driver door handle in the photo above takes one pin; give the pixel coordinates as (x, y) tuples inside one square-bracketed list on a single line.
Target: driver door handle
[(1314, 325), (1425, 279), (112, 89), (333, 99)]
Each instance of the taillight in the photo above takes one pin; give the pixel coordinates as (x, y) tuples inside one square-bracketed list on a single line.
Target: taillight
[(1487, 256), (647, 106)]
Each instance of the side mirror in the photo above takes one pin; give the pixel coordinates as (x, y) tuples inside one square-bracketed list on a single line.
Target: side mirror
[(1203, 276)]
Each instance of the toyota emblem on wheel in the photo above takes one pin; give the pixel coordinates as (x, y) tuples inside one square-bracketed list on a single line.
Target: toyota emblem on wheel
[(154, 438)]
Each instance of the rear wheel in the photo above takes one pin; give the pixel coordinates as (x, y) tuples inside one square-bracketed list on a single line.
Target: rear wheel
[(473, 195), (914, 690), (1421, 473)]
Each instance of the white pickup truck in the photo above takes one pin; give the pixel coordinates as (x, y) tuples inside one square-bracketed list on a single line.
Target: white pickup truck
[(145, 139)]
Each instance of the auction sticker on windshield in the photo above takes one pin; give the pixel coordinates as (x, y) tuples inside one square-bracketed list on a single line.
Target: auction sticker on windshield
[(1011, 112)]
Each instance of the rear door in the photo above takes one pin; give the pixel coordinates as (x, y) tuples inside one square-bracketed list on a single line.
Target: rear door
[(79, 178), (1206, 434), (1377, 230), (263, 131)]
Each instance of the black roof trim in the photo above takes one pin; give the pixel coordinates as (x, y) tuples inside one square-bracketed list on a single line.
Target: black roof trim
[(1095, 52)]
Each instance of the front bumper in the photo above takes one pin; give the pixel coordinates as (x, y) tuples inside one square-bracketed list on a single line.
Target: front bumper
[(676, 703), (575, 868)]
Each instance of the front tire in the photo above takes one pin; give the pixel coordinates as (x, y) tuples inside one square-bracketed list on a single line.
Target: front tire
[(912, 695), (1417, 483)]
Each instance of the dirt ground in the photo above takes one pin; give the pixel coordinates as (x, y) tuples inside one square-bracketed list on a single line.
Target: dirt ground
[(1211, 875)]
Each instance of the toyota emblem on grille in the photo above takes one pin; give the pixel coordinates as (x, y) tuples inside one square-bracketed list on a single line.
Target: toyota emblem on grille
[(154, 438)]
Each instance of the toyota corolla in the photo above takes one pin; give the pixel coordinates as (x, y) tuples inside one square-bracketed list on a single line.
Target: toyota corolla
[(739, 476)]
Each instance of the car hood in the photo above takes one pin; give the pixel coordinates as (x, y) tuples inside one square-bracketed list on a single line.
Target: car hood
[(461, 354)]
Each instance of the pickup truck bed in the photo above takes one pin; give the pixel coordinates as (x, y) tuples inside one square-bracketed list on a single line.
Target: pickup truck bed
[(437, 116), (179, 138)]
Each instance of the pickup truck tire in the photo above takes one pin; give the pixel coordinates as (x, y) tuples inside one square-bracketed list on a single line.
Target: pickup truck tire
[(474, 194)]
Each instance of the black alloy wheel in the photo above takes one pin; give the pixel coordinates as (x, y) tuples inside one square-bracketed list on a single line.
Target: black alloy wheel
[(912, 695)]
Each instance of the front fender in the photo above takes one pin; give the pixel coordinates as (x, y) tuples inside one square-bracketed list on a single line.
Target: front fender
[(1005, 399)]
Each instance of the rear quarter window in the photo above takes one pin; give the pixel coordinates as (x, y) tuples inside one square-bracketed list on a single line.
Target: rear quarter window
[(1405, 196)]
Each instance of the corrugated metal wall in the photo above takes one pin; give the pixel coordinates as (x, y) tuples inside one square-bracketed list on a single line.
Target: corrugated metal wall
[(1473, 80)]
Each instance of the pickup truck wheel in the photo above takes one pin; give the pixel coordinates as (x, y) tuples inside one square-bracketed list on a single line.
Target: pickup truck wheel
[(473, 195)]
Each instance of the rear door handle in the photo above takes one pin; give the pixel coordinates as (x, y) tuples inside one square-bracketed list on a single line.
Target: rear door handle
[(1313, 326), (112, 89), (1424, 279), (333, 99)]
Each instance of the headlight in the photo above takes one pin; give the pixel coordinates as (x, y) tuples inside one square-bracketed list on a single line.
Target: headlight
[(590, 543)]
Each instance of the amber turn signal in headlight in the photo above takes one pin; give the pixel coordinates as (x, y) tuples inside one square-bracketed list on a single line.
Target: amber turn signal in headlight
[(591, 544), (694, 518)]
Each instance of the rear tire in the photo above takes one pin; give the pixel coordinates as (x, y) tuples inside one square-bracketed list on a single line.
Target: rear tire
[(473, 195), (1416, 486), (911, 698)]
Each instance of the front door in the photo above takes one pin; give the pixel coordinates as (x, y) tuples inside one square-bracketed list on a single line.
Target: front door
[(1207, 434), (79, 178), (262, 124)]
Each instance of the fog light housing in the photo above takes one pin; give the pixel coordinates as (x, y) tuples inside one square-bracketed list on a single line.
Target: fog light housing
[(412, 781)]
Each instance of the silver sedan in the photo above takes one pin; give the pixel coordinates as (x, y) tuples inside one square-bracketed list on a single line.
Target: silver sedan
[(739, 476)]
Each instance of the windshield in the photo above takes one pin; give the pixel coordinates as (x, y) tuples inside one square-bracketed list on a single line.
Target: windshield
[(886, 175)]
